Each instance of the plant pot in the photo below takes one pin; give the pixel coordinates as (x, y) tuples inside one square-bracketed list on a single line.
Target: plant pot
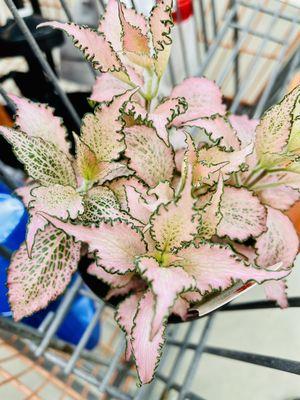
[(100, 289)]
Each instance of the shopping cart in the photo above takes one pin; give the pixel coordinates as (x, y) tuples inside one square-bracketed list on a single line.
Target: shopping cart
[(251, 49)]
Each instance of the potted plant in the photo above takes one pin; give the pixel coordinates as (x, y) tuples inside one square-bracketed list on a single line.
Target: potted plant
[(169, 220)]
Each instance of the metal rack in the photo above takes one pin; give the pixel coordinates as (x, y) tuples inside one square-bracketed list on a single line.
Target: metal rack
[(244, 60)]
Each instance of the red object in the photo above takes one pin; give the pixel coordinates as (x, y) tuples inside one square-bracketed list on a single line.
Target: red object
[(184, 10)]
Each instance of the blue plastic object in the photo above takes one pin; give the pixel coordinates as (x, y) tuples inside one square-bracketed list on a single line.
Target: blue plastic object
[(75, 322), (13, 220)]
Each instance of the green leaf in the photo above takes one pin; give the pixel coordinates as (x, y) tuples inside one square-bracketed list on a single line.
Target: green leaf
[(43, 161)]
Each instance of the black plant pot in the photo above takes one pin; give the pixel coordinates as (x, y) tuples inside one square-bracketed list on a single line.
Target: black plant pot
[(100, 289)]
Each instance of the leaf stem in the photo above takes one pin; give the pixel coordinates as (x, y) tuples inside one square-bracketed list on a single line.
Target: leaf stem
[(258, 178), (255, 170)]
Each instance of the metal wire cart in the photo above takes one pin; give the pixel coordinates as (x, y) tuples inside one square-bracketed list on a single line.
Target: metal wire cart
[(251, 49)]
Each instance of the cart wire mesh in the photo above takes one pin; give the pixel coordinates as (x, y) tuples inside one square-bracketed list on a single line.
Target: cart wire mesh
[(251, 49)]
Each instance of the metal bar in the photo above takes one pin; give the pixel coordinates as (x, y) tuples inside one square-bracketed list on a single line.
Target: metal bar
[(98, 8), (86, 376), (60, 313), (235, 51), (27, 332), (214, 17), (214, 46), (195, 29), (71, 19), (182, 43), (171, 72), (288, 77), (259, 305), (258, 34), (180, 355), (46, 322), (253, 63), (203, 23), (196, 359), (177, 387), (41, 58), (83, 340), (237, 58), (66, 10), (102, 4), (261, 104), (268, 11), (9, 103), (113, 365), (88, 293), (281, 364)]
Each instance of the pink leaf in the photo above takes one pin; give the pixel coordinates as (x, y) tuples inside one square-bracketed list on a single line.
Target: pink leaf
[(273, 131), (124, 316), (135, 43), (276, 290), (149, 156), (101, 131), (166, 284), (243, 215), (165, 113), (146, 352), (57, 200), (94, 46), (283, 196), (203, 96), (247, 251), (164, 193), (212, 161), (25, 193), (192, 297), (38, 120), (115, 245), (113, 280), (181, 307), (110, 25), (101, 205), (138, 206), (294, 140), (279, 243), (161, 117), (35, 224), (112, 170), (107, 87), (87, 165), (161, 23), (175, 223), (219, 130), (142, 203), (34, 282), (118, 186), (217, 267), (244, 127), (35, 221), (92, 170), (43, 161), (136, 284), (211, 214)]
